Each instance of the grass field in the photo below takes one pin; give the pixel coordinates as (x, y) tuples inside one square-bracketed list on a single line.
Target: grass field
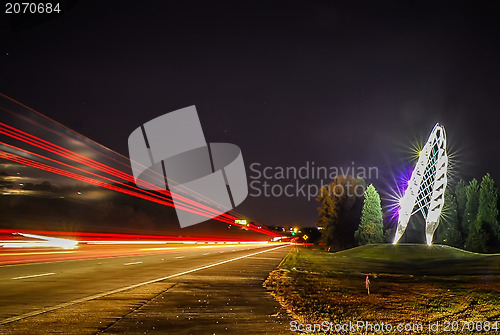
[(410, 284)]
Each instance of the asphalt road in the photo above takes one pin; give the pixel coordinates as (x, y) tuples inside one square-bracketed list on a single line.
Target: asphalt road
[(104, 294)]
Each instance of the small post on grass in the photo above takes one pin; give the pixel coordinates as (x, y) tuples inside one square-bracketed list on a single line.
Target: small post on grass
[(367, 284)]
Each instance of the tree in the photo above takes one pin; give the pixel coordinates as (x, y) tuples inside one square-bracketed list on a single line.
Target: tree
[(461, 197), (328, 218), (371, 229), (471, 206), (476, 240), (487, 213), (339, 212), (448, 231)]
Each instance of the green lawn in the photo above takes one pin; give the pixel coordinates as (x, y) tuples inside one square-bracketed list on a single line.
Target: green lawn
[(411, 259), (409, 283)]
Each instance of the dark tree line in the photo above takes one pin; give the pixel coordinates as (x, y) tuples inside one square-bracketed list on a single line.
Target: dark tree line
[(339, 210), (350, 214), (469, 219), (470, 216)]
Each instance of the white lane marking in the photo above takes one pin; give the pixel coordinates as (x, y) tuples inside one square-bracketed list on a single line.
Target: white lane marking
[(33, 276), (100, 295), (132, 263), (179, 257), (207, 253)]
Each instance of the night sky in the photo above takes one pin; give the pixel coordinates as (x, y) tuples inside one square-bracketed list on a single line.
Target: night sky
[(289, 82)]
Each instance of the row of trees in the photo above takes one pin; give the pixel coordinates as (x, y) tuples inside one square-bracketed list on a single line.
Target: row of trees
[(348, 217), (470, 216), (339, 212), (469, 219)]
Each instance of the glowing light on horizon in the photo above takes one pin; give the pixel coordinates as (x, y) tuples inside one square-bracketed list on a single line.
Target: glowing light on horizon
[(397, 185)]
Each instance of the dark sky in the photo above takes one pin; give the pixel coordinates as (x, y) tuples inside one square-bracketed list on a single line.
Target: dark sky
[(287, 81)]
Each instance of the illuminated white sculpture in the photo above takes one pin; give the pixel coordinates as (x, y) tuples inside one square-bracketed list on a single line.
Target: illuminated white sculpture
[(425, 192)]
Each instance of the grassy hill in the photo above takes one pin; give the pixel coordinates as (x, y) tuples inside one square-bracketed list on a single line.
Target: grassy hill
[(414, 259), (409, 284)]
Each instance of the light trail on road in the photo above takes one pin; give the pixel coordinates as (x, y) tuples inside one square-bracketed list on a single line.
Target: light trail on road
[(45, 145), (95, 245), (107, 176)]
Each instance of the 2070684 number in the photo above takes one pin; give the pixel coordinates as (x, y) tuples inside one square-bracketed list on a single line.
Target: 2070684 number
[(471, 326), (32, 8)]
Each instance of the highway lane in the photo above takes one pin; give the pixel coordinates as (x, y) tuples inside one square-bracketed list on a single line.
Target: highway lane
[(37, 287), (104, 249)]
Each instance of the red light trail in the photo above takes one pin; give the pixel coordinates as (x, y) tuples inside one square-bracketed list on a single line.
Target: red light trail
[(35, 141), (103, 177), (46, 145), (41, 166), (164, 199), (122, 237)]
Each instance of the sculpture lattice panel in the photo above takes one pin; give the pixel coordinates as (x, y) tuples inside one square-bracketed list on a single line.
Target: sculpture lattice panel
[(426, 187)]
